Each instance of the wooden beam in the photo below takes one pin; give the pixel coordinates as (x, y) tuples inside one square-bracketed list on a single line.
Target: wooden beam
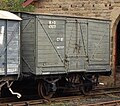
[(27, 2)]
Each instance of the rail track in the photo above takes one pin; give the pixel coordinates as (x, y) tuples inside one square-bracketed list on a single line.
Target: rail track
[(109, 103), (77, 98)]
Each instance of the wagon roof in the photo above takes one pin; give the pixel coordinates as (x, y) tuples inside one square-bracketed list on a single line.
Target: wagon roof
[(64, 15), (8, 15)]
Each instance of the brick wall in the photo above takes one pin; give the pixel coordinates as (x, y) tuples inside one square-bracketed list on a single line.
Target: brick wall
[(87, 8)]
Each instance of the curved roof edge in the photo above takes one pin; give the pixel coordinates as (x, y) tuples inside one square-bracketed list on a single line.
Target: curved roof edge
[(8, 15)]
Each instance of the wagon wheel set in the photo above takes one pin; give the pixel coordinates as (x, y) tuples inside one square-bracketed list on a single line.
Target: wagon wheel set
[(45, 89)]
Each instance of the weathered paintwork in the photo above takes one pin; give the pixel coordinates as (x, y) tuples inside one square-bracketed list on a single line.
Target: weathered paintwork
[(54, 44), (9, 43)]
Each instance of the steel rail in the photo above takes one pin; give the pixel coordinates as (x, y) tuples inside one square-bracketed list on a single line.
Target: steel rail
[(69, 98), (109, 103)]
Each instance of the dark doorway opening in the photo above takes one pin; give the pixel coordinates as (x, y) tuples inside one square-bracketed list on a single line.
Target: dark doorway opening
[(118, 48)]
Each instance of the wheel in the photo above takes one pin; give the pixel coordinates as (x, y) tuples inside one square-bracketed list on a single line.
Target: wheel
[(45, 90), (86, 86), (85, 89)]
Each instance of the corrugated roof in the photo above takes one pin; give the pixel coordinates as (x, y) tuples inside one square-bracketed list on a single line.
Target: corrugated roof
[(8, 15)]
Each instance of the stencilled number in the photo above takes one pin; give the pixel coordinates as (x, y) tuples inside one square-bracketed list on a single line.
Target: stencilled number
[(52, 24), (59, 39)]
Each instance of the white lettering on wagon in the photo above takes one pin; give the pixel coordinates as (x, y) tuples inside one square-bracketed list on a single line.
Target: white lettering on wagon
[(60, 47), (52, 24), (59, 39), (1, 34)]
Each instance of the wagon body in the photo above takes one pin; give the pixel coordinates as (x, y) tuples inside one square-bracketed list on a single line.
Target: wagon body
[(9, 44), (53, 44)]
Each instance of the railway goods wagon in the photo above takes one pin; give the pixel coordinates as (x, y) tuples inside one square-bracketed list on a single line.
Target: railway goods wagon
[(9, 47), (62, 52), (52, 53)]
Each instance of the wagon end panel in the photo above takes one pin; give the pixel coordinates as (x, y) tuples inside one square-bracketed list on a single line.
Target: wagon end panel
[(28, 48), (9, 47), (50, 45)]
